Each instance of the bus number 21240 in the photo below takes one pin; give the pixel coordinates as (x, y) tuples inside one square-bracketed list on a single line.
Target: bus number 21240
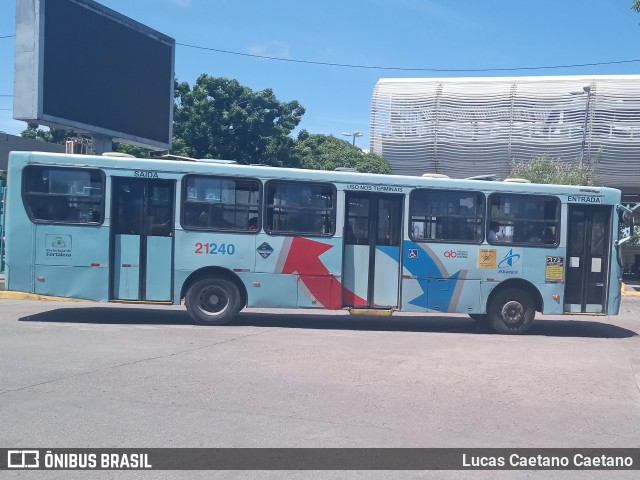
[(215, 249)]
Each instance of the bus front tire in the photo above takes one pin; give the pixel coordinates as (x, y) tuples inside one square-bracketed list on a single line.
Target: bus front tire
[(213, 301), (511, 311)]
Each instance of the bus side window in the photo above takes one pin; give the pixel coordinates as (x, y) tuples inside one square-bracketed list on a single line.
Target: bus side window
[(525, 219), (42, 213), (64, 194), (215, 203), (326, 226), (446, 216), (548, 236), (195, 216), (295, 207), (72, 213)]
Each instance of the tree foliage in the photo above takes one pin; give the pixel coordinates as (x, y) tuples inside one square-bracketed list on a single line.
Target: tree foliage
[(51, 135), (326, 152), (134, 150), (635, 237), (542, 169), (636, 5), (219, 118)]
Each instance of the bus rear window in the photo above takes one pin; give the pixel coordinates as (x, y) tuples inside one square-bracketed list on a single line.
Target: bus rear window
[(64, 195)]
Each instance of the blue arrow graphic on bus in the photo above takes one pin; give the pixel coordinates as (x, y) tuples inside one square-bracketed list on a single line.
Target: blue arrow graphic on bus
[(423, 266), (435, 296)]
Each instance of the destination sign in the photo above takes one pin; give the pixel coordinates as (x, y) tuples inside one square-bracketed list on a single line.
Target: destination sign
[(145, 174), (584, 199), (375, 188)]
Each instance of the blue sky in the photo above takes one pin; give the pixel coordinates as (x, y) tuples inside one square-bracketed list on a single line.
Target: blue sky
[(428, 34)]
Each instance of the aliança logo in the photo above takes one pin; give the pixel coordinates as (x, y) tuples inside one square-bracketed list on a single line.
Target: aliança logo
[(507, 264)]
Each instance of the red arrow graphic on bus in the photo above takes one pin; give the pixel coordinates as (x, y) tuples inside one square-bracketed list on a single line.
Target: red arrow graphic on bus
[(303, 258)]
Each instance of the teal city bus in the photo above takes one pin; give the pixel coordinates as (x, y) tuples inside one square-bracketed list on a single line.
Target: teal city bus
[(221, 236), (2, 190)]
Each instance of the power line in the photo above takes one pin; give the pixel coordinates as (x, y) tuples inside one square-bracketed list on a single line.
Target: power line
[(407, 69), (402, 69)]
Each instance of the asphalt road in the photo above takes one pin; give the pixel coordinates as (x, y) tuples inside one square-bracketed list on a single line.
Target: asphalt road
[(106, 375)]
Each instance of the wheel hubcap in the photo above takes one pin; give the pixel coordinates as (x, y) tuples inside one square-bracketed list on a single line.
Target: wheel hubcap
[(512, 312), (212, 301)]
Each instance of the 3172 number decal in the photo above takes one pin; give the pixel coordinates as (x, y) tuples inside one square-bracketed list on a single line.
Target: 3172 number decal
[(215, 249)]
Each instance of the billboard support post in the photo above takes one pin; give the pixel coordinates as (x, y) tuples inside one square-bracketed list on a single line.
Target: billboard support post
[(102, 143)]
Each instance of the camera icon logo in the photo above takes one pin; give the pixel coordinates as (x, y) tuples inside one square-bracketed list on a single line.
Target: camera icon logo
[(23, 459)]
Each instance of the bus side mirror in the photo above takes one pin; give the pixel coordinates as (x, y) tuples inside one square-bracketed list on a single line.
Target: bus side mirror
[(626, 215)]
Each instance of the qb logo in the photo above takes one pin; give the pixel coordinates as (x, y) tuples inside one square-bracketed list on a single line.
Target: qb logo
[(450, 254)]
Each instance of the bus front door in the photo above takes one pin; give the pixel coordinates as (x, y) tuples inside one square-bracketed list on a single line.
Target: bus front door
[(588, 247), (372, 242), (142, 215)]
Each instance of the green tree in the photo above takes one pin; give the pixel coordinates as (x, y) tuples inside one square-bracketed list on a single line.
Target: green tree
[(635, 237), (372, 163), (542, 169), (636, 5), (51, 135), (326, 152), (134, 150), (219, 118), (3, 176), (177, 148)]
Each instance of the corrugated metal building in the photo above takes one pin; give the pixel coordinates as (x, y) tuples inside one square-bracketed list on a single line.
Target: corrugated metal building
[(474, 126)]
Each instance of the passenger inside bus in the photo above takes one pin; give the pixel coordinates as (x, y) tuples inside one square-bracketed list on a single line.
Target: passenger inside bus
[(160, 226), (492, 234), (72, 213), (535, 235), (216, 216), (196, 216), (42, 213), (326, 227)]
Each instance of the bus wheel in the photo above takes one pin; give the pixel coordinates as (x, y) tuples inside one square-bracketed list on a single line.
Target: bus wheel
[(479, 317), (511, 311), (213, 301)]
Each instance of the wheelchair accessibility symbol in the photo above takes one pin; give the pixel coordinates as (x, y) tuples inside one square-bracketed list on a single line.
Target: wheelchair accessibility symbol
[(413, 253)]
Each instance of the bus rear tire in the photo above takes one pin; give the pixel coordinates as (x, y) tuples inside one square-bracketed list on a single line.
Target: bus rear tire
[(511, 311), (213, 301)]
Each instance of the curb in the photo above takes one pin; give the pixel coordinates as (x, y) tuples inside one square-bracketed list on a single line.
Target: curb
[(371, 311), (34, 296), (628, 294)]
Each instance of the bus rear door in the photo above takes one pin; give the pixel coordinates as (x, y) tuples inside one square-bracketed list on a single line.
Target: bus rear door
[(142, 213), (372, 242), (588, 247)]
